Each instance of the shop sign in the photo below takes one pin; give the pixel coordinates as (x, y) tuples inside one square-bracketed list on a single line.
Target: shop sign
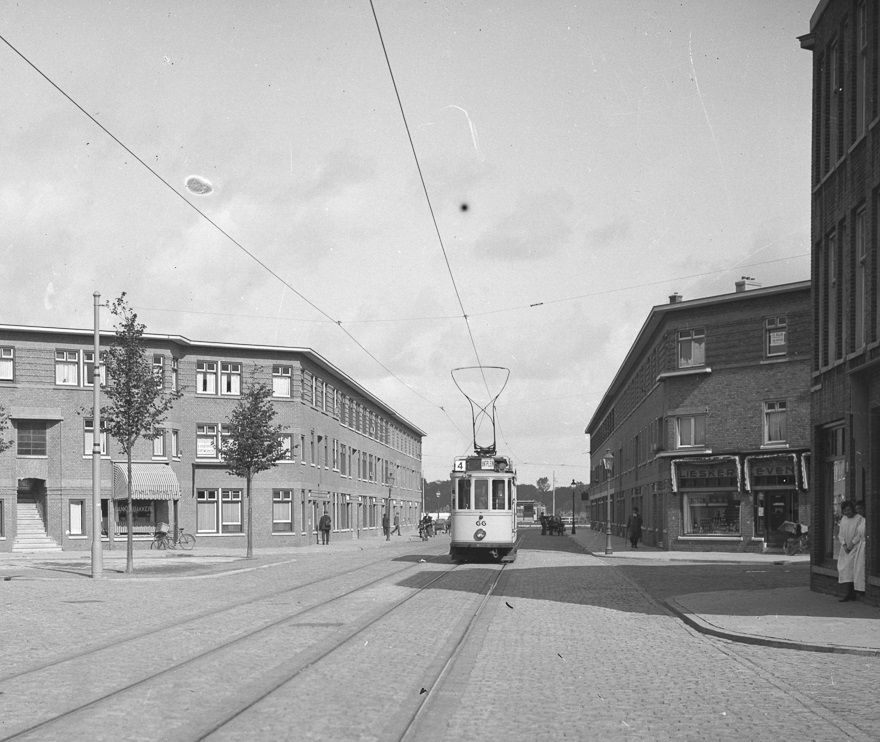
[(707, 471), (774, 469)]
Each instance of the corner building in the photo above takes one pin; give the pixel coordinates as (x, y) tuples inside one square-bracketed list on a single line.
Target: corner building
[(845, 226), (348, 453), (708, 423)]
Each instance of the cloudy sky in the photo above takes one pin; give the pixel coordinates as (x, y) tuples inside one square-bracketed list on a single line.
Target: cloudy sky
[(254, 182)]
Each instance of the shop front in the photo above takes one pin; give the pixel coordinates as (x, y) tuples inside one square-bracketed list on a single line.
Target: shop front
[(710, 497), (155, 493), (776, 487)]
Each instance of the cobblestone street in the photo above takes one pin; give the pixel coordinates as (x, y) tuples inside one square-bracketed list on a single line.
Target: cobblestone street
[(571, 646)]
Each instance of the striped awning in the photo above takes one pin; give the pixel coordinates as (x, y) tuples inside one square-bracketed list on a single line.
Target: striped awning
[(148, 482)]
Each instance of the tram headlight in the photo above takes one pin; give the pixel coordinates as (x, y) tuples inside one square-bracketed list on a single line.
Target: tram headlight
[(479, 534)]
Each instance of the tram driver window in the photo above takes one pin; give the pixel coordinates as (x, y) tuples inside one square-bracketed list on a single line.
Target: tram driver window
[(499, 490), (481, 494), (464, 494)]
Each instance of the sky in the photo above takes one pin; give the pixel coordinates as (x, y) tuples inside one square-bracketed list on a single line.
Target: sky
[(519, 190)]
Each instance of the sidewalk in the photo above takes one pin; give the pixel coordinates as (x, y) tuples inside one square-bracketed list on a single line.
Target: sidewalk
[(204, 561), (792, 618)]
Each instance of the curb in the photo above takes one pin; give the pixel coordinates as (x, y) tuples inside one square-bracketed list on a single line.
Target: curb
[(704, 627)]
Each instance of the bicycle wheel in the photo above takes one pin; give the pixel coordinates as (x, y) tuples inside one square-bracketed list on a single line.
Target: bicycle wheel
[(791, 546), (186, 541)]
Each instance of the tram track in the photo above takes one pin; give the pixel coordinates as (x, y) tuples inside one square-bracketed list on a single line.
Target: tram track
[(203, 615), (85, 664)]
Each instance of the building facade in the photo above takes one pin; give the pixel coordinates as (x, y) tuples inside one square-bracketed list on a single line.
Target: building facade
[(845, 226), (707, 421), (349, 453)]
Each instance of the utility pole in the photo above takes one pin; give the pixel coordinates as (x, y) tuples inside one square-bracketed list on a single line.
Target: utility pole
[(97, 554)]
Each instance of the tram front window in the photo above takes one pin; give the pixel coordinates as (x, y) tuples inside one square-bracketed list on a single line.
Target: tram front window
[(499, 492), (481, 494), (464, 494)]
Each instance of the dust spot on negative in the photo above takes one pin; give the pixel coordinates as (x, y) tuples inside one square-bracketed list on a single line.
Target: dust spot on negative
[(198, 185), (464, 207)]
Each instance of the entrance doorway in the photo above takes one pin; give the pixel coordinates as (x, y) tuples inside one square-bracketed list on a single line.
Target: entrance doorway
[(773, 509)]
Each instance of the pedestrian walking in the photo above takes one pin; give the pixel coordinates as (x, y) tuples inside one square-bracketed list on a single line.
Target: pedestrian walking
[(634, 528), (851, 558), (385, 525), (324, 525), (396, 528)]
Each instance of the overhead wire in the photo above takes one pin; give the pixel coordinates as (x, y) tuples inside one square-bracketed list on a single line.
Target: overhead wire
[(222, 231)]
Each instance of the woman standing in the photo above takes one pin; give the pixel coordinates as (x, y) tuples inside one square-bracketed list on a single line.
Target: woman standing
[(851, 559)]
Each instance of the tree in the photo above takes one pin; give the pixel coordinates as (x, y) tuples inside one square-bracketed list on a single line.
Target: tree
[(137, 399), (253, 443), (543, 484), (4, 423)]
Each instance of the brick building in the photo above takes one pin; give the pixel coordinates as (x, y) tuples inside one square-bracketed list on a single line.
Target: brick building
[(707, 421), (349, 453), (845, 182)]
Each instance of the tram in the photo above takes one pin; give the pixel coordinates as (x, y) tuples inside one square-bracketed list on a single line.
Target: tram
[(483, 512)]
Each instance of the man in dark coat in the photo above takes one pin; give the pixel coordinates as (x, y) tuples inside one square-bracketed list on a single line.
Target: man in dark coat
[(634, 528), (324, 527)]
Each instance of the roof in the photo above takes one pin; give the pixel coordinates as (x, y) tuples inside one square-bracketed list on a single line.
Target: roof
[(185, 342), (659, 314)]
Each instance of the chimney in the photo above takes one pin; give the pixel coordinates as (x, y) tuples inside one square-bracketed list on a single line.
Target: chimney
[(675, 298), (746, 282)]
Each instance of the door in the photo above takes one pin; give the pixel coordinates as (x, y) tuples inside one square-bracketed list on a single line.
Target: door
[(779, 507)]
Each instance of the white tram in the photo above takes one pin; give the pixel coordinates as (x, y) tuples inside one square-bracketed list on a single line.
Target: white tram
[(483, 518)]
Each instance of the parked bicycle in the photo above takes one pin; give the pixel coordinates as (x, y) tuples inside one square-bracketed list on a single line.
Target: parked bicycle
[(795, 546), (166, 539)]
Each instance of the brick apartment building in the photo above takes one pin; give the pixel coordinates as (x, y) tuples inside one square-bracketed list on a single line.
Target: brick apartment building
[(349, 453), (708, 423), (845, 181)]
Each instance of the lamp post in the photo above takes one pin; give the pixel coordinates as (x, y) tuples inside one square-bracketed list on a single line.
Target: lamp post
[(388, 507), (438, 506), (573, 527), (608, 461)]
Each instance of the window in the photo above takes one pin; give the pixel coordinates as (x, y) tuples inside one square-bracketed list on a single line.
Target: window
[(224, 438), (159, 370), (206, 441), (302, 449), (2, 527), (481, 494), (835, 103), (776, 336), (499, 495), (175, 444), (175, 374), (832, 298), (775, 422), (159, 445), (230, 511), (7, 364), (31, 438), (861, 284), (287, 445), (77, 517), (281, 381), (691, 348), (690, 431), (282, 510), (715, 513), (89, 369), (463, 495), (206, 511), (862, 109), (206, 377), (88, 437), (67, 367), (230, 378), (335, 455)]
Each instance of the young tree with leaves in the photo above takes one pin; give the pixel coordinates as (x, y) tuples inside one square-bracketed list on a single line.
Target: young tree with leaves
[(137, 400), (4, 423), (253, 443)]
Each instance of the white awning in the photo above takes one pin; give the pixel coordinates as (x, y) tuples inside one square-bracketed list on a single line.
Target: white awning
[(148, 482)]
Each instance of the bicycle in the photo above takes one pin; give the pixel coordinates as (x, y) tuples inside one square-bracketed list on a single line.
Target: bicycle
[(164, 539), (797, 544)]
